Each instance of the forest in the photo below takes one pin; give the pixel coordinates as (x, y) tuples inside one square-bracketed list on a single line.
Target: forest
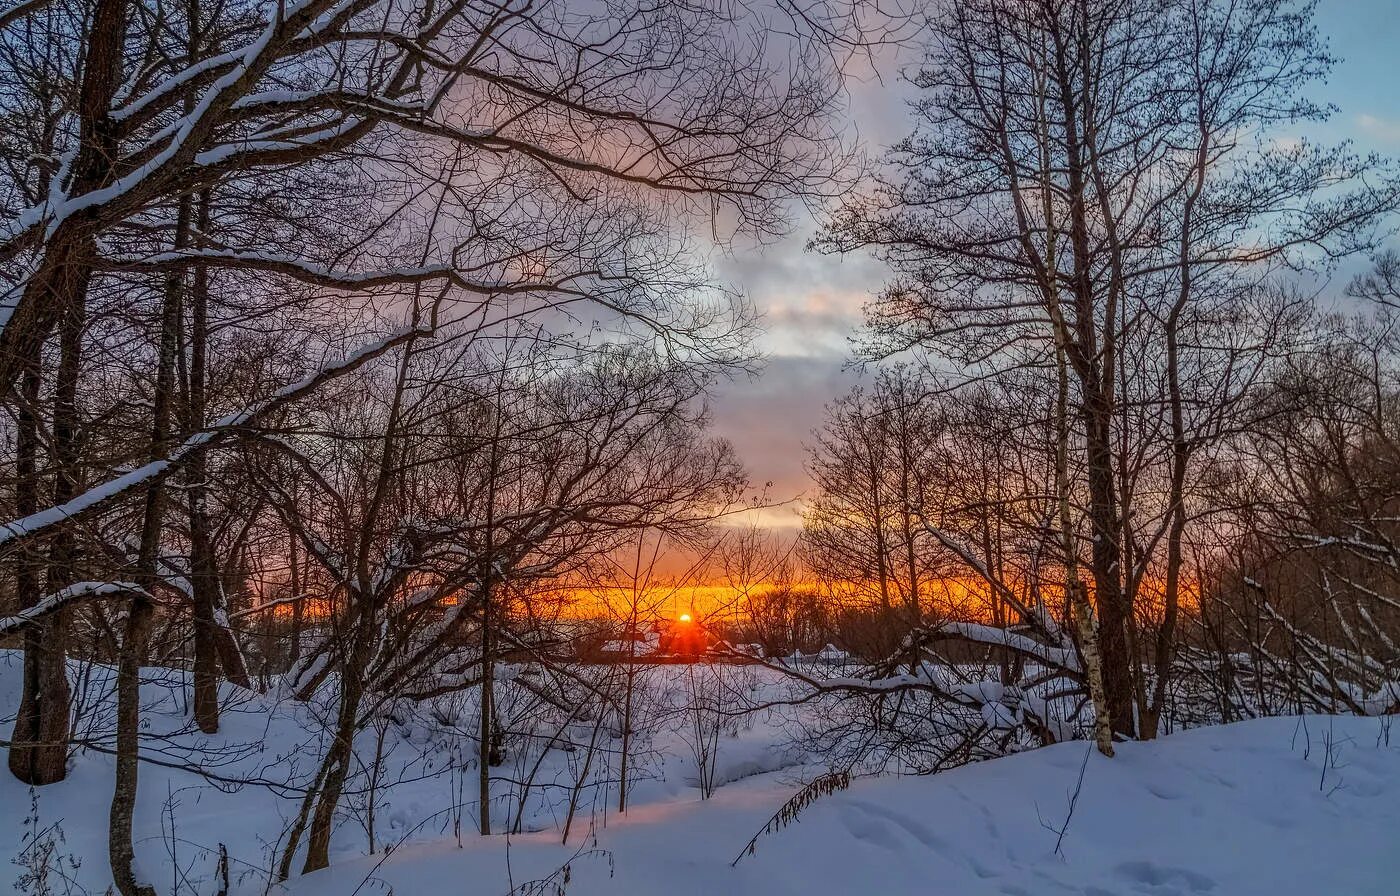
[(365, 525)]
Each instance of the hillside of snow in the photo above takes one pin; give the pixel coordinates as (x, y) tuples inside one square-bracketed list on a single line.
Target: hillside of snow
[(1239, 810), (1284, 807)]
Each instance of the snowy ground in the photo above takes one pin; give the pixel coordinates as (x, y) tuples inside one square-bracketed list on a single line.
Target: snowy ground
[(1284, 807)]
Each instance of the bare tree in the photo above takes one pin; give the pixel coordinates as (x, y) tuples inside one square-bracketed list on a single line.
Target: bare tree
[(1076, 185)]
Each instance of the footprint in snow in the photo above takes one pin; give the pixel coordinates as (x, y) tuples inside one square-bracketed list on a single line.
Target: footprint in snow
[(871, 830), (1163, 792), (911, 826), (1164, 880)]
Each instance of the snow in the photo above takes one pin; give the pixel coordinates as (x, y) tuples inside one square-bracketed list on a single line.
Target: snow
[(1235, 810), (1285, 807), (987, 634), (75, 592)]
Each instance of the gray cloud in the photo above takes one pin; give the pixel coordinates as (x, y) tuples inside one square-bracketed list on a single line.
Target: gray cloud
[(770, 420), (812, 306)]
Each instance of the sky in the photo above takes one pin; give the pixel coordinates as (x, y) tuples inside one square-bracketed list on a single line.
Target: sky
[(812, 303)]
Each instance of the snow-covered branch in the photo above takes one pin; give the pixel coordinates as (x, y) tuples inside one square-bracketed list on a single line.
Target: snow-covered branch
[(228, 427), (72, 594)]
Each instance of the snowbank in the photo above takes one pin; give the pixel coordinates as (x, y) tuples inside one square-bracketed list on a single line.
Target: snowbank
[(1277, 806), (1260, 807)]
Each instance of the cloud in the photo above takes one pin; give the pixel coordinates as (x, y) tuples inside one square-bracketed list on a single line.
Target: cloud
[(812, 305), (770, 419), (1380, 129)]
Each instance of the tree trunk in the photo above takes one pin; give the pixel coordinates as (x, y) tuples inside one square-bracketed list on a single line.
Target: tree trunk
[(1076, 348), (337, 768), (1092, 354), (1081, 610), (141, 614), (882, 558), (39, 744), (341, 753), (119, 843), (214, 643), (485, 755), (1106, 562), (204, 582), (906, 502), (629, 687), (295, 584)]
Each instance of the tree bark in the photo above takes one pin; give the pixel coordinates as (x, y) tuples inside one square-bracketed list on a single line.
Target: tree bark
[(1093, 363), (141, 614), (61, 278), (1105, 559), (338, 758), (488, 696), (1081, 610), (39, 745), (214, 641)]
